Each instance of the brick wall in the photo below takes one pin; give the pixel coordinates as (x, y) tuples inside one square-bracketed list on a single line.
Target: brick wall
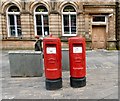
[(54, 24), (27, 27)]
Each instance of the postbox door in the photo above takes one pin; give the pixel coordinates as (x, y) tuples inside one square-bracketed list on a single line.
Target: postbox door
[(52, 62), (78, 60), (51, 57)]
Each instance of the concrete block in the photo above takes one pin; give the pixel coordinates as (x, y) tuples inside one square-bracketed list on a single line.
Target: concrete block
[(65, 59), (26, 63)]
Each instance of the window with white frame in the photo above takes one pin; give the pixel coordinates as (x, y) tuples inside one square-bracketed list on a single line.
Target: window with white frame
[(99, 19), (14, 22), (69, 21), (41, 21)]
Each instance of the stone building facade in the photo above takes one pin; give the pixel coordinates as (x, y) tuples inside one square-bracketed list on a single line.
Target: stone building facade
[(22, 20)]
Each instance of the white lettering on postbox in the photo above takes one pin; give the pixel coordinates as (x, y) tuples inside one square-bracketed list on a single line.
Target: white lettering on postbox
[(77, 49), (51, 50)]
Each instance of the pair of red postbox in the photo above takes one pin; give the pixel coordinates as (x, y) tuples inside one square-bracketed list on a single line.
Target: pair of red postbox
[(53, 65)]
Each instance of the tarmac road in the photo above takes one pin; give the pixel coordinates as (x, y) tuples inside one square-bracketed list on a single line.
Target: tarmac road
[(102, 80)]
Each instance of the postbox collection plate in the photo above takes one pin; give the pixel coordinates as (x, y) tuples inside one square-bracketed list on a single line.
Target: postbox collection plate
[(51, 50), (77, 49)]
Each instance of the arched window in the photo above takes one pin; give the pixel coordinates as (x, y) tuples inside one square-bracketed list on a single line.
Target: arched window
[(14, 22), (69, 21), (41, 21)]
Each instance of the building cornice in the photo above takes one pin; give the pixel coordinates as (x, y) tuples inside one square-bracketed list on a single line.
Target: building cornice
[(94, 5)]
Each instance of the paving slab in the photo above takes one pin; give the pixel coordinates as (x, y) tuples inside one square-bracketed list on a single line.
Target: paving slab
[(102, 80)]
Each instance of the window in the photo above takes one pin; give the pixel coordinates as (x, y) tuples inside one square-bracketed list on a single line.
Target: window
[(99, 19), (41, 21), (69, 21), (14, 22)]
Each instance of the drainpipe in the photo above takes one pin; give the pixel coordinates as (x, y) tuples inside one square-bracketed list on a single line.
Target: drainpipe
[(117, 36)]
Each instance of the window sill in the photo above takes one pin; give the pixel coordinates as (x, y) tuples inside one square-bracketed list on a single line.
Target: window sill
[(98, 23)]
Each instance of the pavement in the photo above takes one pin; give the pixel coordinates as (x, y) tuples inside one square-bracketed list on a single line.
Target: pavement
[(102, 80)]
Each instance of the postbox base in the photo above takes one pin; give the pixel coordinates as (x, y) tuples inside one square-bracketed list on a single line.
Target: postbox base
[(77, 82), (53, 84)]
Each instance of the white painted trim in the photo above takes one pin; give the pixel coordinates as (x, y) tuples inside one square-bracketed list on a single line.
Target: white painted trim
[(69, 14), (66, 4), (42, 26), (62, 26), (15, 22), (106, 24), (99, 23), (15, 25), (35, 26), (42, 13), (13, 13), (8, 25), (70, 24)]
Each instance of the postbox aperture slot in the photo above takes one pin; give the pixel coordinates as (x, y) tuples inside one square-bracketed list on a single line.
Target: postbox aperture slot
[(77, 48), (51, 49)]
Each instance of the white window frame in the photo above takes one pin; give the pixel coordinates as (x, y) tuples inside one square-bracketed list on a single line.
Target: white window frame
[(35, 26), (15, 22), (68, 13), (99, 23)]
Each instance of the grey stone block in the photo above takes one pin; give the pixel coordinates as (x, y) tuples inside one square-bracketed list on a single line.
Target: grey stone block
[(65, 59), (26, 63)]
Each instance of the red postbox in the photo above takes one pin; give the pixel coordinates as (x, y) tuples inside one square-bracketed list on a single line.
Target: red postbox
[(77, 59), (52, 63)]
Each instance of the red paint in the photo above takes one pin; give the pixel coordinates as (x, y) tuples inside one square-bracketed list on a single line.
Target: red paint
[(77, 57), (52, 57)]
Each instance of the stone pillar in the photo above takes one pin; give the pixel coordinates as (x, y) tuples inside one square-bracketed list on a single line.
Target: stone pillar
[(31, 18), (88, 29), (55, 20), (54, 24), (27, 25), (81, 24), (111, 39), (3, 27), (87, 23)]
